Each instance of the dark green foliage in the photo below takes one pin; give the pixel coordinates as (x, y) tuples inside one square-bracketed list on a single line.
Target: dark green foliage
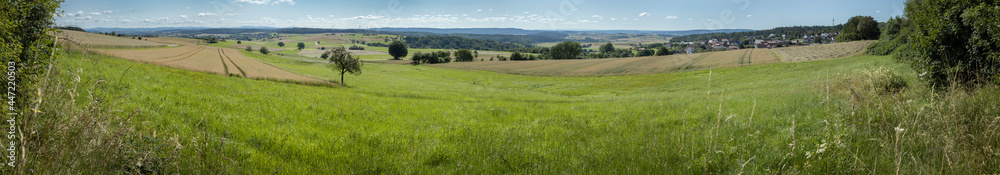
[(397, 49), (211, 40), (237, 41), (953, 41), (431, 58), (281, 44), (463, 55), (356, 47), (859, 28), (662, 50), (249, 49), (455, 42), (301, 46), (645, 52), (892, 38), (607, 48), (565, 50), (74, 28), (517, 57), (263, 50)]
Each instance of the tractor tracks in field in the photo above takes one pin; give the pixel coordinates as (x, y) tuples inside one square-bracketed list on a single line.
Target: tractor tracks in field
[(693, 61), (222, 53), (184, 55)]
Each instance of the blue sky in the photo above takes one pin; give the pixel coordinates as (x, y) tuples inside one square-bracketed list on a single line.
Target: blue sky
[(526, 14)]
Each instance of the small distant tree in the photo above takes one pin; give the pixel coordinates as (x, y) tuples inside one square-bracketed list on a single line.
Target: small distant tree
[(263, 50), (343, 62), (463, 55), (238, 42), (645, 52), (662, 50), (249, 49), (397, 49), (607, 48), (325, 55), (140, 38), (516, 56), (475, 54), (301, 46), (281, 44)]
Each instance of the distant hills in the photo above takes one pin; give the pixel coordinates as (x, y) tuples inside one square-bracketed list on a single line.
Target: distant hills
[(484, 31)]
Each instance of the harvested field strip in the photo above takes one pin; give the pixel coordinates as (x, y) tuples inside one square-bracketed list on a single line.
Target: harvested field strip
[(695, 60), (224, 65), (223, 53), (184, 55), (823, 51)]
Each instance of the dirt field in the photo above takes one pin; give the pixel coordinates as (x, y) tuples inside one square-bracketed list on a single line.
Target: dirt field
[(623, 66), (92, 40), (820, 52), (194, 57)]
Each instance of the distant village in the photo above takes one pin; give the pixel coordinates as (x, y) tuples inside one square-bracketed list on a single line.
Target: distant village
[(760, 42)]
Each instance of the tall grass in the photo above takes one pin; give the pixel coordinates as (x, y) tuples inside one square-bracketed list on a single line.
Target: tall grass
[(79, 127)]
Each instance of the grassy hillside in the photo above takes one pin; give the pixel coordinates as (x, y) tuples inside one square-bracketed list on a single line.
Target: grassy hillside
[(775, 118)]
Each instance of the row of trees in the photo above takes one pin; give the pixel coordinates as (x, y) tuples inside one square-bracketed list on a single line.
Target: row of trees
[(455, 42), (859, 28), (431, 58)]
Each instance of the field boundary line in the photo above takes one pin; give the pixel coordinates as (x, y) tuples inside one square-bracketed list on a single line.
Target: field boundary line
[(224, 66), (777, 56), (223, 51)]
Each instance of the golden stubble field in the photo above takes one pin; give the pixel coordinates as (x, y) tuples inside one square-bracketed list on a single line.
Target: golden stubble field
[(822, 52), (188, 54), (91, 40), (624, 66)]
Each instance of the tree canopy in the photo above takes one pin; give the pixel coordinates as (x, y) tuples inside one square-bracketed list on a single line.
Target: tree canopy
[(343, 62), (397, 49), (953, 41), (859, 28), (565, 50), (463, 55)]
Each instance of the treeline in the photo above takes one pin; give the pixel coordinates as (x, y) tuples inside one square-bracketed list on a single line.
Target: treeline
[(455, 42), (790, 32)]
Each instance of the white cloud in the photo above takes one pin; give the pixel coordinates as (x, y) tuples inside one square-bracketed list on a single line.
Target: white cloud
[(613, 19), (671, 17), (264, 2), (95, 13), (877, 11), (491, 10), (107, 12), (479, 10), (465, 14), (183, 16), (644, 14), (749, 16), (586, 21), (597, 16), (369, 17), (206, 14)]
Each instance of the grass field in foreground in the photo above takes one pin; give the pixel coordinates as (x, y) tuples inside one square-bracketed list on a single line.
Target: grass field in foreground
[(426, 120)]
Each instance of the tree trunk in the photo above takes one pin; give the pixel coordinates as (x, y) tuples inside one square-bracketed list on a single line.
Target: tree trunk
[(342, 78)]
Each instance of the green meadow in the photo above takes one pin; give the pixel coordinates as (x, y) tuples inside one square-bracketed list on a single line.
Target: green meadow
[(414, 119)]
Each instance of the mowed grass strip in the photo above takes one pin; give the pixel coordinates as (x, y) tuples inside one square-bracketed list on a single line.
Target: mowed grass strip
[(822, 51), (615, 66), (99, 41)]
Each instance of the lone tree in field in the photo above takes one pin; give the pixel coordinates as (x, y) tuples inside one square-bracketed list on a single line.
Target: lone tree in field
[(237, 41), (263, 50), (301, 46), (607, 48), (249, 49), (397, 49), (463, 55), (565, 50), (281, 44), (343, 62), (475, 53)]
